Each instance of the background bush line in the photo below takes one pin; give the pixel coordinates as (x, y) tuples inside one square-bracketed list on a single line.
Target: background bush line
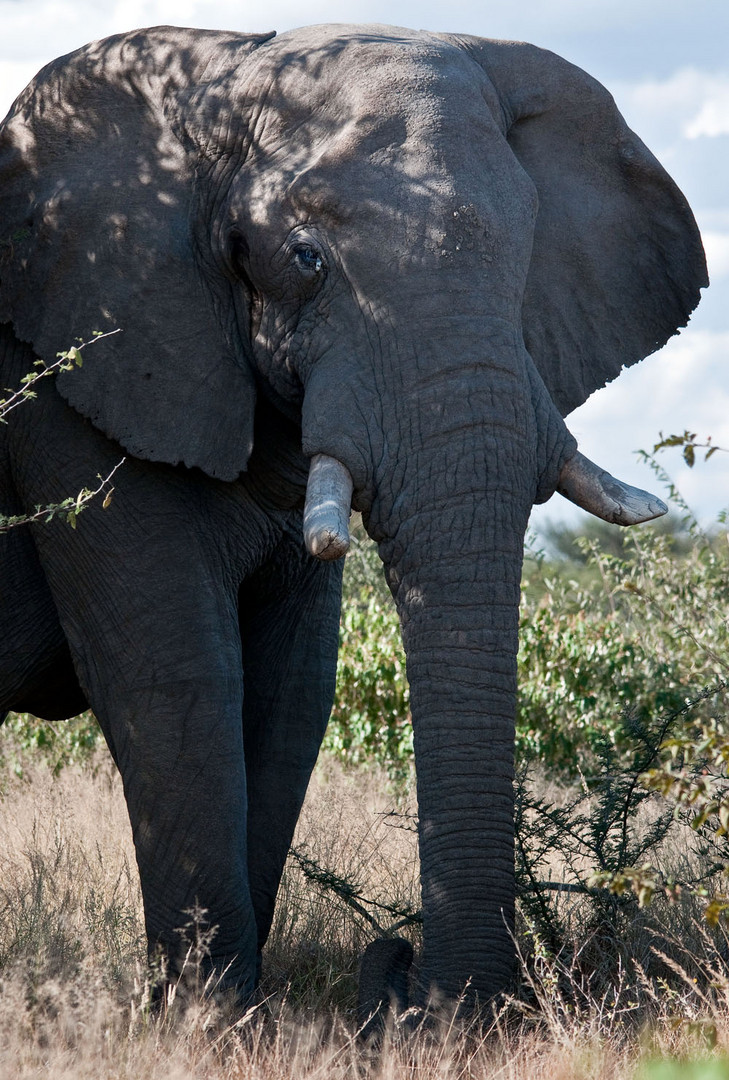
[(611, 623)]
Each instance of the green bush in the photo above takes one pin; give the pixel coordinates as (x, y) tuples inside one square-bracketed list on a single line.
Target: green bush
[(370, 720), (68, 742), (643, 635), (639, 628)]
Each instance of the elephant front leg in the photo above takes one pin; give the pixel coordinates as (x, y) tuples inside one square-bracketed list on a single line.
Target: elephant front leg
[(290, 630), (156, 645), (180, 752)]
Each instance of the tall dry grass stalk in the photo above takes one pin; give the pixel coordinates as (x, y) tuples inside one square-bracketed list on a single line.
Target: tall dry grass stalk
[(74, 992)]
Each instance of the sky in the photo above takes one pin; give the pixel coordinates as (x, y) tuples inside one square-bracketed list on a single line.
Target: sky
[(666, 62)]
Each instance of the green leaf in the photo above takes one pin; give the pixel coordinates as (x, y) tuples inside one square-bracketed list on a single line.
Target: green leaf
[(714, 910)]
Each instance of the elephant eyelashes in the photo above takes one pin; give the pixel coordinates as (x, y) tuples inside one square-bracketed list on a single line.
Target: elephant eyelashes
[(306, 260), (309, 262)]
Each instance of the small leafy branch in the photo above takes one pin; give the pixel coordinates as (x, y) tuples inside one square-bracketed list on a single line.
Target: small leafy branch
[(65, 361), (69, 508), (690, 443), (692, 776)]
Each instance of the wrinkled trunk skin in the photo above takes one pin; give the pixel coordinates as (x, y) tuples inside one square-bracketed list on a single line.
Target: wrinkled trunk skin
[(458, 603), (453, 560), (446, 469), (463, 684)]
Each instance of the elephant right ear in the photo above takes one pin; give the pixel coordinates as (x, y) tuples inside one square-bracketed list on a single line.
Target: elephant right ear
[(617, 262), (98, 220)]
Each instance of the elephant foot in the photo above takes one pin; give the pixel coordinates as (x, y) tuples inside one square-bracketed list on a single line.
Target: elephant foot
[(383, 984)]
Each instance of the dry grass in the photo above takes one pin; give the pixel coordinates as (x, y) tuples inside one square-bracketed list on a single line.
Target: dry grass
[(73, 992)]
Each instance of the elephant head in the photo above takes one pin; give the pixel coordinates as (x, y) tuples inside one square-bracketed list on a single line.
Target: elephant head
[(423, 249)]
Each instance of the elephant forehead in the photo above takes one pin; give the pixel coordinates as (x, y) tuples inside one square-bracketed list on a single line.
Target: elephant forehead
[(365, 116), (364, 87)]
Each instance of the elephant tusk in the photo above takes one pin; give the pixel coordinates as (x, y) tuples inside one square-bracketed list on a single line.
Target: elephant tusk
[(326, 512), (595, 490)]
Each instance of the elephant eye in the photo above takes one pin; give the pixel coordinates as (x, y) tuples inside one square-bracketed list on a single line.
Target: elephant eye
[(309, 261)]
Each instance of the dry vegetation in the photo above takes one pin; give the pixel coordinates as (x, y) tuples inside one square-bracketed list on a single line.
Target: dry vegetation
[(74, 991)]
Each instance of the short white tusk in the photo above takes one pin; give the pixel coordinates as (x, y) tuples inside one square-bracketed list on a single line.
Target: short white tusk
[(584, 483), (326, 512)]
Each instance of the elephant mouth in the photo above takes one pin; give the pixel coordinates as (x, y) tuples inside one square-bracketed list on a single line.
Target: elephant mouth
[(329, 500)]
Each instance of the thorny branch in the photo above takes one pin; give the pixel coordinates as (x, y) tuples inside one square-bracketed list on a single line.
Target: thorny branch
[(347, 892), (71, 507), (65, 361)]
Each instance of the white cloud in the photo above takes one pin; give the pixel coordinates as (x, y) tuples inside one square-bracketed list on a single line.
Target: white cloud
[(14, 75), (716, 246), (712, 118), (687, 105), (683, 385)]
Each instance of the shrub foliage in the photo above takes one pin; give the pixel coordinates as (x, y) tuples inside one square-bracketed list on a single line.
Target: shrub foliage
[(644, 632), (636, 623)]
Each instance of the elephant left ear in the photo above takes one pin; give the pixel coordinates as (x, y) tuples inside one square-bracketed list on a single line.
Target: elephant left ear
[(99, 216), (617, 261)]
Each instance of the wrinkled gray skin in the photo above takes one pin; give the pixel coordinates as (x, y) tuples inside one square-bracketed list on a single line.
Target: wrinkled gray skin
[(412, 252)]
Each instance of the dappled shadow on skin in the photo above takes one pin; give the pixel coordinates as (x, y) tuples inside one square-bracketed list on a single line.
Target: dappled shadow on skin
[(106, 140), (97, 211), (338, 119), (124, 166)]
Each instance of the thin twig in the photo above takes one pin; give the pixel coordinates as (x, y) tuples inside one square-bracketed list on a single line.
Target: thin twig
[(65, 361), (346, 891), (72, 507)]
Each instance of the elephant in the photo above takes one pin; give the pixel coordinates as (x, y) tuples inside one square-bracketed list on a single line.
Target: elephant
[(349, 267)]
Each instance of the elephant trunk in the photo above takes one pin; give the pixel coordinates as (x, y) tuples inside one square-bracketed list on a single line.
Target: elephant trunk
[(458, 606), (465, 452), (450, 513)]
